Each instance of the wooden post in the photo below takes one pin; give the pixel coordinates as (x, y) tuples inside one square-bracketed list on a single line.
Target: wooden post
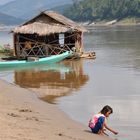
[(17, 47), (14, 46), (79, 42)]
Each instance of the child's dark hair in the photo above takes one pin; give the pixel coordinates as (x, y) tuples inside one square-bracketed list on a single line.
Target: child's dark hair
[(106, 109)]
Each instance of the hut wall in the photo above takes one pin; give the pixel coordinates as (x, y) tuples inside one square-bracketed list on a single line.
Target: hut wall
[(74, 40), (28, 44), (70, 39), (34, 45)]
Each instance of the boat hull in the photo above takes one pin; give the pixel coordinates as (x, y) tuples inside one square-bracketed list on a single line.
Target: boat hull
[(41, 61)]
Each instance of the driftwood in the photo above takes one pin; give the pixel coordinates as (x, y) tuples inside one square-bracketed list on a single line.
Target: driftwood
[(88, 55)]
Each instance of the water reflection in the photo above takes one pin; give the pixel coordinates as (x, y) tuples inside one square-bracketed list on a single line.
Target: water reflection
[(53, 83)]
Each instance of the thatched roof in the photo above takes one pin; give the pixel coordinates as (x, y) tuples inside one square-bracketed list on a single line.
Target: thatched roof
[(48, 23), (41, 29)]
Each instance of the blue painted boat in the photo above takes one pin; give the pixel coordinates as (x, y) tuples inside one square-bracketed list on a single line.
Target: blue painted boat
[(47, 60)]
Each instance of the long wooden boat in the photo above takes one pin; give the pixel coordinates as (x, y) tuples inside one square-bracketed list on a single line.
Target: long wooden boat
[(47, 60)]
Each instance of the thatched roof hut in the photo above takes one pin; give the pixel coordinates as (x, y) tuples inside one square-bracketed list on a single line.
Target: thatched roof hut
[(47, 33)]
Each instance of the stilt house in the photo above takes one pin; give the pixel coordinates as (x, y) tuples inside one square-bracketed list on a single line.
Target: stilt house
[(48, 33)]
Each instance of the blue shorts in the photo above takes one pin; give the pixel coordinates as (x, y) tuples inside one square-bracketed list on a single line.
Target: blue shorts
[(98, 126)]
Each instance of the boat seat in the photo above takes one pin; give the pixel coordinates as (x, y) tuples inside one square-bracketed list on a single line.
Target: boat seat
[(32, 59)]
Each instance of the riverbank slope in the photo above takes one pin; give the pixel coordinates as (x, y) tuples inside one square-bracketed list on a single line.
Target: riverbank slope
[(24, 117)]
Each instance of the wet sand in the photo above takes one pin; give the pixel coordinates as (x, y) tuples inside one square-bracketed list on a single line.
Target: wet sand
[(24, 117)]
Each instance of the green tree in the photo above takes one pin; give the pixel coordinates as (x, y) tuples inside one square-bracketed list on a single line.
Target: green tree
[(103, 9)]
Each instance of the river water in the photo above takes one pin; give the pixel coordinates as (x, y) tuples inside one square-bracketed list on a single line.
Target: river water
[(85, 86)]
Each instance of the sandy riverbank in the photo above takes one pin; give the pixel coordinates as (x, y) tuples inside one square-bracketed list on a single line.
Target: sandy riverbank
[(24, 117)]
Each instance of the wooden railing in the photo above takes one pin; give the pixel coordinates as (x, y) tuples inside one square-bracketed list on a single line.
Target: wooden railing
[(38, 49)]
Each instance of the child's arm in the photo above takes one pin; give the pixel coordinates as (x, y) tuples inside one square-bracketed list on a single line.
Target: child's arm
[(113, 131)]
